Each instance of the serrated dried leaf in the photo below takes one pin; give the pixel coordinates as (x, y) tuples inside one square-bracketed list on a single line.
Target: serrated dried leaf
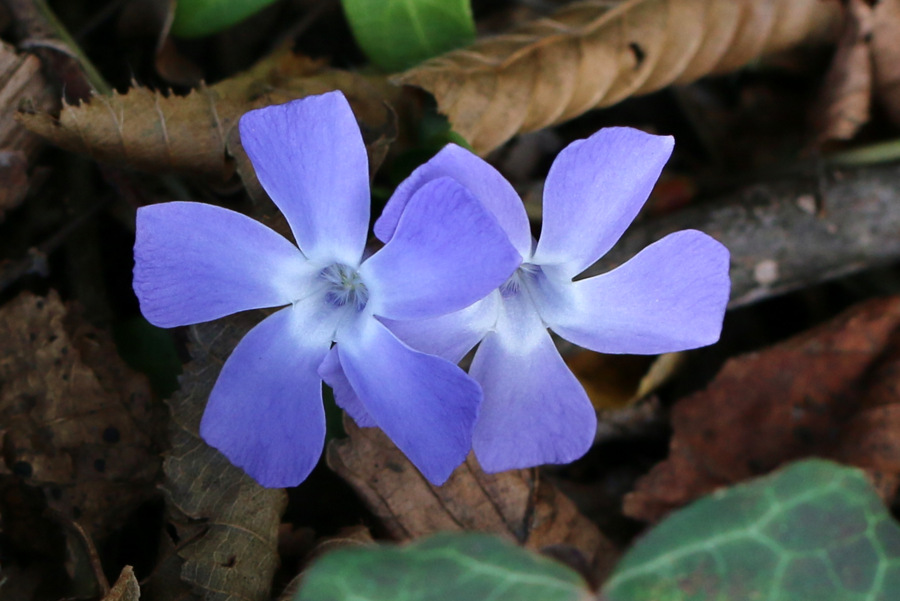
[(226, 522), (146, 130), (589, 55), (516, 504)]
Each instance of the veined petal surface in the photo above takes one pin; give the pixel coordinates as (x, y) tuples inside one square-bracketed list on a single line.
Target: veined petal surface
[(534, 411), (594, 190), (310, 157), (449, 336), (344, 396), (669, 297), (425, 404), (265, 411), (479, 177), (195, 262), (447, 252)]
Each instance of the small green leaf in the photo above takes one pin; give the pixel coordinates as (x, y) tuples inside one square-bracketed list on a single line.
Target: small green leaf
[(814, 531), (196, 18), (397, 34), (470, 567)]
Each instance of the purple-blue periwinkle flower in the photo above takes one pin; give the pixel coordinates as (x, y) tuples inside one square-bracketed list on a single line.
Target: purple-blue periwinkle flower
[(670, 297), (196, 262)]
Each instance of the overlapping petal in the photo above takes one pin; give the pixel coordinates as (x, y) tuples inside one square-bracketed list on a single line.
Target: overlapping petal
[(344, 396), (593, 192), (446, 253), (449, 336), (670, 297), (310, 157), (196, 262), (425, 404), (479, 177), (534, 411), (265, 411)]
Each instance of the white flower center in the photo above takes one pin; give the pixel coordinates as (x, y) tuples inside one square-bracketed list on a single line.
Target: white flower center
[(519, 279), (344, 287)]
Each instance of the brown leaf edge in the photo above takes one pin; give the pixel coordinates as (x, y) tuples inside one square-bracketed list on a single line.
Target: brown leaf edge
[(588, 55)]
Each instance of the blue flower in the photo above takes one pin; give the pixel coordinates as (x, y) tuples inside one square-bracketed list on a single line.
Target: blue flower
[(195, 262), (670, 297)]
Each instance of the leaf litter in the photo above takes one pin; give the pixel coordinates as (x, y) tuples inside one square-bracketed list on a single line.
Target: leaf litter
[(220, 534)]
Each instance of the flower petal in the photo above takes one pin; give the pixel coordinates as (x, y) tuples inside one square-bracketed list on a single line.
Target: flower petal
[(309, 156), (670, 297), (344, 396), (195, 262), (534, 411), (446, 253), (593, 192), (265, 411), (482, 180), (425, 404), (449, 336)]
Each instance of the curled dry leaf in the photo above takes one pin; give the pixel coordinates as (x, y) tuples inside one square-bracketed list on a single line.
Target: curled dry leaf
[(886, 56), (76, 423), (517, 504), (226, 524), (590, 55), (20, 79), (146, 130), (830, 392), (843, 104)]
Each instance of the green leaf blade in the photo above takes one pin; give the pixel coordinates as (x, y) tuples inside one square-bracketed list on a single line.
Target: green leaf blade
[(474, 567), (198, 18), (397, 34), (814, 531)]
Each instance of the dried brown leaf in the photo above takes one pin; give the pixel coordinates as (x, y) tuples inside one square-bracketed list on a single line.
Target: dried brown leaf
[(830, 392), (76, 423), (227, 524), (843, 105), (20, 79), (144, 129), (126, 587), (590, 55), (886, 56), (517, 504)]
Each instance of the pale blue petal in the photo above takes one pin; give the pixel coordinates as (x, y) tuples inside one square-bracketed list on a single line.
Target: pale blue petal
[(265, 411), (534, 411), (670, 297), (449, 336), (482, 180), (593, 192), (446, 253), (425, 404), (195, 262), (333, 375), (309, 156)]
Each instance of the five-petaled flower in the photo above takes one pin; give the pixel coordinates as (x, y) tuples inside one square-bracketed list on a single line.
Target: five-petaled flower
[(669, 297), (196, 262)]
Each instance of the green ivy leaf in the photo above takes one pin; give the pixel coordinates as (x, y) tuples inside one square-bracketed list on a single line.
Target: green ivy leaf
[(196, 18), (814, 531), (473, 567), (397, 34)]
